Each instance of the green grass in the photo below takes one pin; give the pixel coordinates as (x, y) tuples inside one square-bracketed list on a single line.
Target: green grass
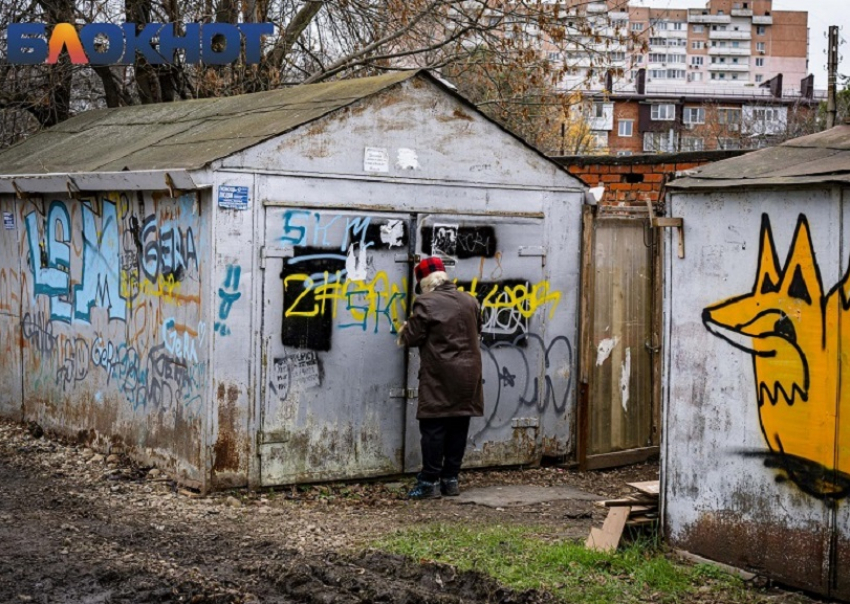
[(521, 559)]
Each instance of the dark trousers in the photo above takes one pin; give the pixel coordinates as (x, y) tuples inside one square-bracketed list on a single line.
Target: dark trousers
[(443, 445)]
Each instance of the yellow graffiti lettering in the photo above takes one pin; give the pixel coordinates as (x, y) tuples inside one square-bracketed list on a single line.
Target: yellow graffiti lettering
[(522, 298), (308, 288), (359, 299)]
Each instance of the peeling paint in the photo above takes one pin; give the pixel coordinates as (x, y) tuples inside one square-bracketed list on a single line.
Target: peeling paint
[(625, 379), (603, 351)]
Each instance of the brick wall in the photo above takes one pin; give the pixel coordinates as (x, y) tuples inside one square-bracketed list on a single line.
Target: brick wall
[(631, 180)]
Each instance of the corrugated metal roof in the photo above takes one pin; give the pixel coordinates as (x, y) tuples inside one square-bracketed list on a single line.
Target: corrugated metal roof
[(184, 135), (815, 159)]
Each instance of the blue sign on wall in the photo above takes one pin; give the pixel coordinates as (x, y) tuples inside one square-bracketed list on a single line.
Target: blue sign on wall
[(233, 197)]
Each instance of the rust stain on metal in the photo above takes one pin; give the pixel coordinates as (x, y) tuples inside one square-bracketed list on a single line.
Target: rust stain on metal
[(792, 556), (226, 451)]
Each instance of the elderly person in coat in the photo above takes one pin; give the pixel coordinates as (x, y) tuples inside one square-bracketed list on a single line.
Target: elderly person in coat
[(445, 324)]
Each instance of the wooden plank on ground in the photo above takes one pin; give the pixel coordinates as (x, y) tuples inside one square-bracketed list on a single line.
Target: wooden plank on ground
[(630, 501), (650, 487), (608, 538)]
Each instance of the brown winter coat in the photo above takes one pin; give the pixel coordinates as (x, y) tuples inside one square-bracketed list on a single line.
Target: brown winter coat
[(445, 324)]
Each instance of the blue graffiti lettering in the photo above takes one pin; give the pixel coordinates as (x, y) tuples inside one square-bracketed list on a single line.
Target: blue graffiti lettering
[(101, 280), (50, 258), (231, 282)]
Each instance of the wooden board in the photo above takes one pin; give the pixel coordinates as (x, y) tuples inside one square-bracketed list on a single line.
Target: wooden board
[(650, 487), (607, 538)]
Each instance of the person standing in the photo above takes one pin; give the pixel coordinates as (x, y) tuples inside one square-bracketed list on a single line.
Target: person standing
[(445, 325)]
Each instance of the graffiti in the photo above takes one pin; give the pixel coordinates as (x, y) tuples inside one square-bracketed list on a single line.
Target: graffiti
[(507, 306), (50, 257), (74, 363), (794, 332), (303, 228), (182, 347), (298, 369), (228, 298), (169, 250), (458, 241), (368, 304), (90, 254), (38, 332), (444, 240), (513, 375), (101, 280)]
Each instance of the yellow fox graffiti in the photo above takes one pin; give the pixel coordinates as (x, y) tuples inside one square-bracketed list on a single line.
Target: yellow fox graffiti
[(795, 331)]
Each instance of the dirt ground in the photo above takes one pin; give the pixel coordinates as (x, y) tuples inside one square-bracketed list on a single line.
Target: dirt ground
[(78, 527)]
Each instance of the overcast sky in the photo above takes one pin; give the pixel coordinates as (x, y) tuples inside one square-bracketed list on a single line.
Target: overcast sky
[(822, 14)]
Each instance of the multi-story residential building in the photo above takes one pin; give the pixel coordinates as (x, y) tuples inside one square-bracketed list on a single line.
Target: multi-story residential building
[(667, 122), (728, 43), (676, 79)]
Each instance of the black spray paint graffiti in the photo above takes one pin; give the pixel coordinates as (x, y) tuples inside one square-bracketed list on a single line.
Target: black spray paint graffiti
[(512, 378), (311, 332), (503, 318), (169, 251), (38, 332), (459, 242)]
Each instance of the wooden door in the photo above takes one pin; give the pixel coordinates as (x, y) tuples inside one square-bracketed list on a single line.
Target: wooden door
[(619, 399)]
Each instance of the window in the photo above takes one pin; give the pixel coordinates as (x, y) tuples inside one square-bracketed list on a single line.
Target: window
[(760, 46), (678, 26), (694, 115), (698, 29), (697, 60), (730, 117), (760, 29), (623, 153), (625, 127), (554, 56), (660, 142), (692, 143), (665, 112), (637, 26), (695, 77), (598, 110), (759, 78), (658, 41), (658, 25), (760, 62), (728, 143), (698, 45)]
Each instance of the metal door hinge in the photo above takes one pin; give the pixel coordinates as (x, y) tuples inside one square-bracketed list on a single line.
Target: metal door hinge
[(664, 222)]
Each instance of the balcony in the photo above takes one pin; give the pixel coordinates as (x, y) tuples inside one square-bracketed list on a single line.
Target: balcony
[(762, 20), (728, 52), (742, 12), (730, 35), (709, 19), (618, 16), (730, 67), (596, 8)]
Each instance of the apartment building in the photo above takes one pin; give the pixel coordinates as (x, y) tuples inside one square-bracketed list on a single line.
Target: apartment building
[(677, 80), (727, 43), (659, 122)]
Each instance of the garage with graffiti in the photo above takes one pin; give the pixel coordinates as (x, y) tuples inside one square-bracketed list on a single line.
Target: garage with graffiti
[(756, 458), (216, 286)]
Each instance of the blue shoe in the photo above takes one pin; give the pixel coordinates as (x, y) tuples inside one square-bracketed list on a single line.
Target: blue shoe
[(449, 487), (425, 490)]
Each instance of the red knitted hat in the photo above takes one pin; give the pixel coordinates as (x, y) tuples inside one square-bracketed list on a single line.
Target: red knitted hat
[(428, 266)]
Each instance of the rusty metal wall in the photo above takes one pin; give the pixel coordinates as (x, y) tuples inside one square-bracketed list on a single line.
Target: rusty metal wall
[(756, 455), (409, 152), (112, 329), (11, 398)]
